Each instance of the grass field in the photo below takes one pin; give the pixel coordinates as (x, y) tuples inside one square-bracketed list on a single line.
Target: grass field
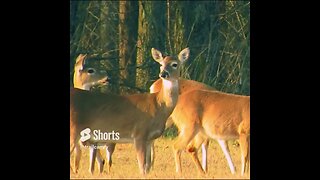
[(125, 164)]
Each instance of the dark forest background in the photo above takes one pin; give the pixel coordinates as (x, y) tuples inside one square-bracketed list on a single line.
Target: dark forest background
[(120, 35)]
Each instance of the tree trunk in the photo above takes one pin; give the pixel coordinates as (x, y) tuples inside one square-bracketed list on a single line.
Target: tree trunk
[(108, 40), (178, 19), (128, 28), (151, 33)]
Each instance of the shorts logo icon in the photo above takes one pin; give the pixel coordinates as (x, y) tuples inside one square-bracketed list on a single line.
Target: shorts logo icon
[(85, 134)]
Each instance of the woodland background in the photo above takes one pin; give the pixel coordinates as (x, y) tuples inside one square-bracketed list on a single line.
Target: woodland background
[(120, 35)]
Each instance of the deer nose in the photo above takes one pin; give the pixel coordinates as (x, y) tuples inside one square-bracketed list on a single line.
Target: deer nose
[(164, 74)]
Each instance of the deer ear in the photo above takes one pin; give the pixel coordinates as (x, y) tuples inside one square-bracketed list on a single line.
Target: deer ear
[(184, 54), (80, 57), (156, 54), (80, 61)]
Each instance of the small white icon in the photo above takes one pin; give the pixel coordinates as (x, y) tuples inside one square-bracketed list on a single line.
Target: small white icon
[(85, 134)]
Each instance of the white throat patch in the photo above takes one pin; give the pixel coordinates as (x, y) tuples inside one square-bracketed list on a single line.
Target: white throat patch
[(169, 84)]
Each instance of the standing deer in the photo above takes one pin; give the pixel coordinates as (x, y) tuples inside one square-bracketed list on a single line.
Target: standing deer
[(200, 139), (216, 115), (88, 74), (186, 85), (139, 118)]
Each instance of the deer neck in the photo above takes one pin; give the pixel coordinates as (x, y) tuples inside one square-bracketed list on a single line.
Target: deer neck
[(86, 86), (169, 93)]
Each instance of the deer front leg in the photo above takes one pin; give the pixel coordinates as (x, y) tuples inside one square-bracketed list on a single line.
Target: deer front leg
[(77, 158), (72, 147), (100, 160), (152, 154), (109, 151), (93, 152), (149, 151), (140, 146)]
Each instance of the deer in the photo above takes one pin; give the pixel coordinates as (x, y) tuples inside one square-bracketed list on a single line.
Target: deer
[(138, 118), (185, 85), (200, 139), (213, 114), (86, 76)]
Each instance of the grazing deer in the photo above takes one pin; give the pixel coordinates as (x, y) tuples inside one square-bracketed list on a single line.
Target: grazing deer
[(88, 74), (216, 115), (139, 118)]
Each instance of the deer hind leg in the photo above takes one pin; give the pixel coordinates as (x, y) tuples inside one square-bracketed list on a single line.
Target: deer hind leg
[(193, 149), (226, 153), (244, 145), (109, 151), (185, 136), (204, 150), (193, 152)]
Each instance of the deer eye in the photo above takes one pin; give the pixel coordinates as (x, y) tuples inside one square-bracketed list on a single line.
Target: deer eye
[(90, 71), (174, 65)]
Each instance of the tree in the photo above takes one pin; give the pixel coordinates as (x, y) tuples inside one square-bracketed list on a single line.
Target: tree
[(151, 33), (128, 27), (122, 33), (108, 41)]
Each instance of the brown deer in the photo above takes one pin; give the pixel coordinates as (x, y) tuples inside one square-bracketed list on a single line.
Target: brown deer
[(212, 114), (200, 139), (88, 74), (139, 118), (186, 85)]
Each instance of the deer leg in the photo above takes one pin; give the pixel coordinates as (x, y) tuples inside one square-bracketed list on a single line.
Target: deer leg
[(204, 149), (77, 158), (100, 160), (93, 152), (140, 146), (72, 147), (149, 150), (226, 153), (244, 145), (152, 153), (109, 151), (184, 138), (193, 153)]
